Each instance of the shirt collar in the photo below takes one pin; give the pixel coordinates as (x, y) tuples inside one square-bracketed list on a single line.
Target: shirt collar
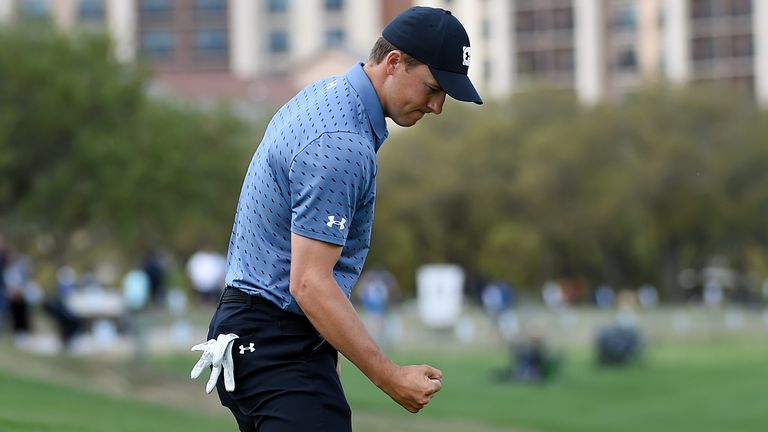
[(362, 84)]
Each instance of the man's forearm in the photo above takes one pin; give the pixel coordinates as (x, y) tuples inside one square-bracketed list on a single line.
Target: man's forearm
[(329, 310)]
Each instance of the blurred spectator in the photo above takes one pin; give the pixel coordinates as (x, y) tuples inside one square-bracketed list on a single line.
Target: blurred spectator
[(553, 295), (155, 270), (207, 270), (16, 276), (136, 295), (497, 297), (617, 345), (574, 289), (377, 291), (66, 281), (67, 323), (713, 293), (605, 297), (3, 289), (648, 296), (533, 361), (136, 290)]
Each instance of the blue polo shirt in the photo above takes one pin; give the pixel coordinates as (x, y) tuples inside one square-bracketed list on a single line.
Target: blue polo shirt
[(314, 174)]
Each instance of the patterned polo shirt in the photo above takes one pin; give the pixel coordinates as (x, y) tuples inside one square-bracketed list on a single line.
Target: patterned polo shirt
[(314, 174)]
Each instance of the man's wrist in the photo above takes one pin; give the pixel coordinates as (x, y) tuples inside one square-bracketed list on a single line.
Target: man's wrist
[(385, 374)]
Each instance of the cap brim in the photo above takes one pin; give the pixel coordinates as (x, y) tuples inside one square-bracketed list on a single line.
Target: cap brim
[(456, 85)]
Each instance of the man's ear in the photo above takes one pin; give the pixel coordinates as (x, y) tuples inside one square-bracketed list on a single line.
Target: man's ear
[(393, 59)]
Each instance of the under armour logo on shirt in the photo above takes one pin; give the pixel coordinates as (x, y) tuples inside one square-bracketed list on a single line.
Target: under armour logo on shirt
[(332, 221), (466, 56), (250, 347)]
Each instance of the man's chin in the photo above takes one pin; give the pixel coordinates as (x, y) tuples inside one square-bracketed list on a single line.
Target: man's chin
[(410, 120)]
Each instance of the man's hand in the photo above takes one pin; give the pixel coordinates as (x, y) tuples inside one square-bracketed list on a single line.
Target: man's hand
[(217, 353), (413, 386)]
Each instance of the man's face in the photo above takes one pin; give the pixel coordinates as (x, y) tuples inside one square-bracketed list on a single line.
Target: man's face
[(412, 92)]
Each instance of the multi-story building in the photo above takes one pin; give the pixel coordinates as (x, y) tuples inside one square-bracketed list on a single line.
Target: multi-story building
[(599, 48), (233, 47), (603, 48)]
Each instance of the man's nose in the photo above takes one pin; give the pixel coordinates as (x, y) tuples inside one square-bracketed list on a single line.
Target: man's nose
[(435, 103)]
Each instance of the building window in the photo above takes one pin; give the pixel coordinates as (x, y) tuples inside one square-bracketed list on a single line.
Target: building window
[(703, 48), (211, 5), (543, 20), (564, 60), (333, 5), (278, 6), (157, 44), (701, 8), (211, 43), (90, 10), (156, 6), (563, 19), (538, 62), (278, 42), (155, 10), (626, 18), (334, 38), (544, 61), (35, 8), (741, 46), (526, 63), (524, 22), (627, 59), (741, 7)]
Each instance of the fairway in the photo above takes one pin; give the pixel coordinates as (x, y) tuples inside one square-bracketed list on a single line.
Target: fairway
[(34, 405), (697, 387)]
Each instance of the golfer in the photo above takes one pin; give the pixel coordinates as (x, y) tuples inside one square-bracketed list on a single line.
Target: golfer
[(302, 231)]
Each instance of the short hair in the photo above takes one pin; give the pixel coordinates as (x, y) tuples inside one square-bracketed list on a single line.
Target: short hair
[(382, 47)]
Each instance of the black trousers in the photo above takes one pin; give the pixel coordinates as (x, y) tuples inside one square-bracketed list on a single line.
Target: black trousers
[(285, 372)]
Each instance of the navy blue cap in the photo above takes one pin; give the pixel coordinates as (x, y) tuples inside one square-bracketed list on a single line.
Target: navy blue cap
[(436, 38)]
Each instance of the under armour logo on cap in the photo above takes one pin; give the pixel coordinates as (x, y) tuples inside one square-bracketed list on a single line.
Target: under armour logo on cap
[(332, 221), (467, 56), (249, 347)]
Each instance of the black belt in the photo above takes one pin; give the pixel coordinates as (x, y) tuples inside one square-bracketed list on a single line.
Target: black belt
[(234, 295)]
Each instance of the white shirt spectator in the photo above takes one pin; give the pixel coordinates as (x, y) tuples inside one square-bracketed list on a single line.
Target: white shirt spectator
[(207, 270)]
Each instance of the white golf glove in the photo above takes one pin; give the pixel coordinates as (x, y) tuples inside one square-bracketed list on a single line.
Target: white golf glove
[(218, 353)]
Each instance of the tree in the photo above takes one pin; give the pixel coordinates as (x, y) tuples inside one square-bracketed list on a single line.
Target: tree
[(84, 150), (539, 188)]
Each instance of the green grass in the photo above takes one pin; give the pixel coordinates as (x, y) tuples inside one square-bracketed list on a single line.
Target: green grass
[(718, 386), (35, 405), (698, 388)]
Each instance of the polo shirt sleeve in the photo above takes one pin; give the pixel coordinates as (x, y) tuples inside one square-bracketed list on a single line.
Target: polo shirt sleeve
[(327, 180)]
